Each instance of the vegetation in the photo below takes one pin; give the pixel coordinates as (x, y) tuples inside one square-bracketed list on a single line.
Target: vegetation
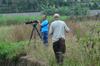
[(11, 50), (13, 20), (79, 52), (83, 45), (72, 9), (8, 6)]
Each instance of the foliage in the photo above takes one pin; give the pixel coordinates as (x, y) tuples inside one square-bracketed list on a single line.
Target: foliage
[(11, 50), (13, 20), (49, 10), (8, 20), (77, 52), (8, 6), (77, 9)]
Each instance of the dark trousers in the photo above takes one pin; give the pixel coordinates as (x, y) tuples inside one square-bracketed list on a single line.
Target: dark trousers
[(45, 38), (59, 50)]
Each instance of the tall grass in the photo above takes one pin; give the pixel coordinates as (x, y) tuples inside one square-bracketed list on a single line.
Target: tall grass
[(13, 20), (14, 38), (11, 50), (9, 20)]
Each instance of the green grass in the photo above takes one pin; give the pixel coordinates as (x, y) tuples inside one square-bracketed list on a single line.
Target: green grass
[(9, 20), (13, 41), (11, 50)]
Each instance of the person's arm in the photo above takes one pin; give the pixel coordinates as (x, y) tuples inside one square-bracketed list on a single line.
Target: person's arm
[(44, 23), (51, 29), (66, 28), (39, 25)]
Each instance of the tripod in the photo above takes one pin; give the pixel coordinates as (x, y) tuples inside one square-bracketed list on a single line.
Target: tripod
[(34, 28)]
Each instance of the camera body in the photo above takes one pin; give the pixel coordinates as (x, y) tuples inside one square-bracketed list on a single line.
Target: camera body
[(34, 23)]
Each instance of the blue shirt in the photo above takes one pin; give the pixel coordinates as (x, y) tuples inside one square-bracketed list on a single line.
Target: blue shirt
[(44, 26)]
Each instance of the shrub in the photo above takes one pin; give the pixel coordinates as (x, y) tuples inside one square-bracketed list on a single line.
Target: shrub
[(52, 10), (63, 10), (11, 50), (78, 9), (49, 10)]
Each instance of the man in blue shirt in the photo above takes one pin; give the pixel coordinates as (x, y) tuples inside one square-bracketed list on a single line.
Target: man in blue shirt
[(44, 29)]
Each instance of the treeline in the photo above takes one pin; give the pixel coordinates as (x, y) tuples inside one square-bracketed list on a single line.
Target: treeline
[(48, 6)]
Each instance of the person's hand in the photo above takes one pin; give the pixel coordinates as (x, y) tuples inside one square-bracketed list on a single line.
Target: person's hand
[(39, 23)]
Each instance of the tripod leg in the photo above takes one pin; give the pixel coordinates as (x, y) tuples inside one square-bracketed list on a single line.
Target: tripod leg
[(38, 33), (35, 39), (31, 36)]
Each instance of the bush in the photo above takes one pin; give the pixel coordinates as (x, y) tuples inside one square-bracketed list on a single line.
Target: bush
[(48, 10), (52, 10), (63, 10), (78, 9), (11, 50)]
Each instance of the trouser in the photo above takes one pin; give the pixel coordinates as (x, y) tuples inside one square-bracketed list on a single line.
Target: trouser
[(59, 50), (45, 38)]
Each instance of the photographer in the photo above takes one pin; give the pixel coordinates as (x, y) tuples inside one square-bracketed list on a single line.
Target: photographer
[(44, 29)]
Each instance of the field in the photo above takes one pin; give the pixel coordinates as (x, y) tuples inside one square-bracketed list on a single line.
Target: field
[(20, 19), (83, 45)]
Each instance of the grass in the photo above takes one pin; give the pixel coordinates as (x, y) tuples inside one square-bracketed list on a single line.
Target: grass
[(8, 20), (11, 50), (13, 40), (13, 20)]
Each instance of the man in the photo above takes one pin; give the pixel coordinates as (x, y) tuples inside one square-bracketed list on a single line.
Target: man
[(44, 30), (57, 30)]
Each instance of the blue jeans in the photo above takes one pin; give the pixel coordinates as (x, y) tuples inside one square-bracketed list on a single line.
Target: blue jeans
[(45, 37)]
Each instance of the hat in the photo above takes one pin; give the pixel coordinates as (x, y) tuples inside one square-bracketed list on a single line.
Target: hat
[(56, 15)]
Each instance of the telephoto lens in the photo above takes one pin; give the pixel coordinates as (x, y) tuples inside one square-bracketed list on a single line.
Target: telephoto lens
[(30, 22)]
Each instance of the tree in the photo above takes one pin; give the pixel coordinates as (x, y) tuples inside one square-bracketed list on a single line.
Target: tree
[(40, 5)]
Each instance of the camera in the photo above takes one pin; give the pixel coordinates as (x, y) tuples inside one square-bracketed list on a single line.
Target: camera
[(32, 22)]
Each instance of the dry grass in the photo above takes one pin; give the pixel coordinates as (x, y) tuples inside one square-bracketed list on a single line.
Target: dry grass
[(76, 53)]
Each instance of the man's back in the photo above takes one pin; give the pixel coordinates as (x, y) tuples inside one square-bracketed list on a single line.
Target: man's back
[(58, 29)]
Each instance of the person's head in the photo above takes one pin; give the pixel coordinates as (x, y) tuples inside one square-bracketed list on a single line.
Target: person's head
[(44, 17), (56, 16)]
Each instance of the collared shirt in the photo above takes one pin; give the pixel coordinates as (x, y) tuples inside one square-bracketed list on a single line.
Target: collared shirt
[(44, 26), (57, 30)]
